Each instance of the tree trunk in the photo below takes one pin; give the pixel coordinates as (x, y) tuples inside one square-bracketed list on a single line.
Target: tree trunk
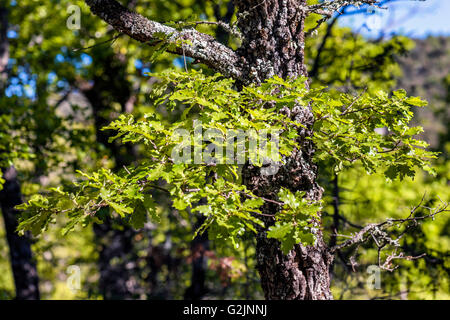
[(116, 281), (273, 44), (22, 262), (199, 246)]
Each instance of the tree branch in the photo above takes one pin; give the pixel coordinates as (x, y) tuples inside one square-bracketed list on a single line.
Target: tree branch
[(327, 8), (189, 42), (380, 234)]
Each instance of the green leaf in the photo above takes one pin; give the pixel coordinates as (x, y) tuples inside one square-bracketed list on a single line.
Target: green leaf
[(416, 101), (279, 231), (120, 208)]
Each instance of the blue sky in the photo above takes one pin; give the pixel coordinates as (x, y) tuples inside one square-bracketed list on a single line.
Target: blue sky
[(416, 19)]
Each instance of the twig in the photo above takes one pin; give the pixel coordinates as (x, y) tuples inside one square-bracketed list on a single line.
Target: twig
[(113, 39)]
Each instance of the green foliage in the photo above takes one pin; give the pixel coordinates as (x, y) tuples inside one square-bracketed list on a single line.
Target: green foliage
[(348, 62), (295, 221), (12, 135), (344, 131)]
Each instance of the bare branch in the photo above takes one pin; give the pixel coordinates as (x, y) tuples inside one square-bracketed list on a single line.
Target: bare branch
[(190, 42), (388, 263), (327, 8), (111, 41), (379, 233)]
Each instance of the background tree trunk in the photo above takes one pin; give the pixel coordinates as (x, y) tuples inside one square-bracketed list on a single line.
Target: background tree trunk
[(199, 246), (23, 265), (273, 44)]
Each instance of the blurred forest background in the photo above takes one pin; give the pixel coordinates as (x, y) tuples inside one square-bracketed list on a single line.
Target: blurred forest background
[(61, 86)]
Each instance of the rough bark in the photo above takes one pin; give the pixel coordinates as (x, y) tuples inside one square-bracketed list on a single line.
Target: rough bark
[(23, 265), (273, 32), (273, 38)]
